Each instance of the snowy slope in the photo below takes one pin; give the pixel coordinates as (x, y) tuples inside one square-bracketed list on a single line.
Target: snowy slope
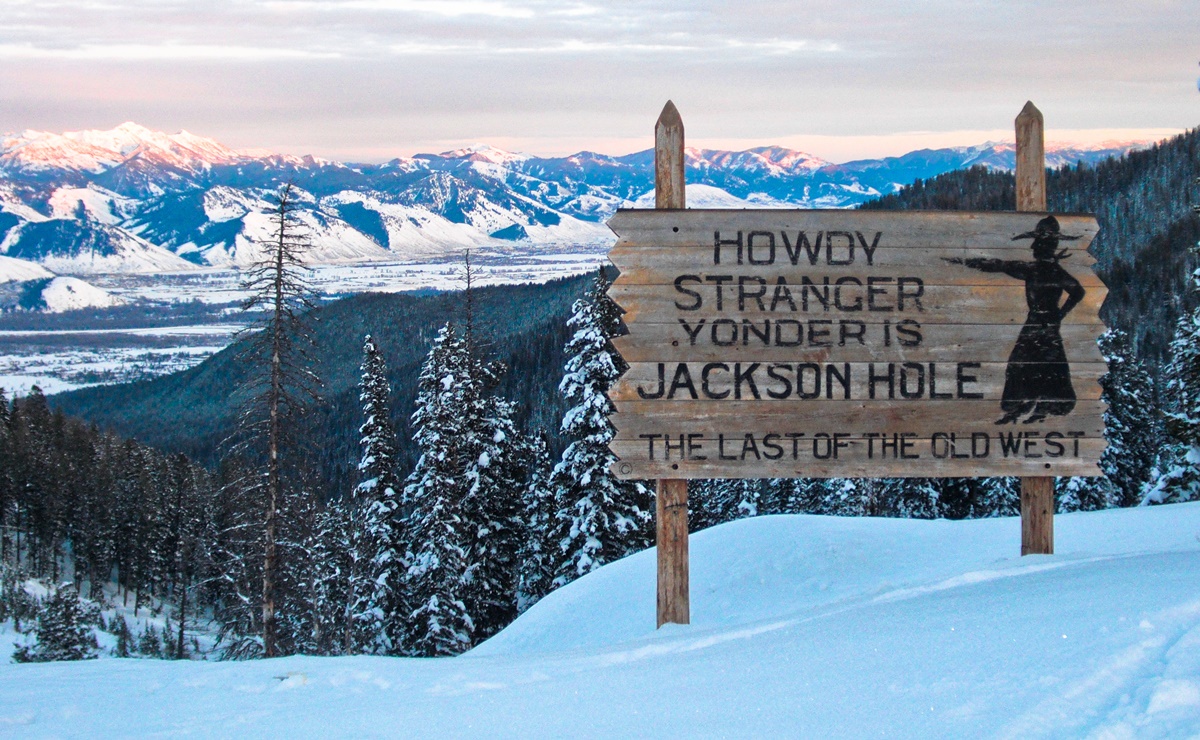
[(803, 627), (69, 294), (18, 270)]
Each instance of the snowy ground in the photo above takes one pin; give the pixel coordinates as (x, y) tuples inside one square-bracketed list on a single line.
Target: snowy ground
[(65, 360), (531, 265), (802, 627)]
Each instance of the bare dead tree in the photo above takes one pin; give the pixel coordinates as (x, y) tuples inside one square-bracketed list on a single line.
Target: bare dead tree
[(282, 385)]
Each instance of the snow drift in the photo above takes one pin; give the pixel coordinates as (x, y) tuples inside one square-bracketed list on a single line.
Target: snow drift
[(803, 627)]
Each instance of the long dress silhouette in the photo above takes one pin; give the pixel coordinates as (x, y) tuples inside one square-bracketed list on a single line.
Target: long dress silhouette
[(1037, 380)]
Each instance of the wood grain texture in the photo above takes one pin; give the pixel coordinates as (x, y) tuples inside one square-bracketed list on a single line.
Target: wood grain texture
[(1031, 159), (634, 418), (669, 159), (918, 229), (1037, 493), (671, 521), (673, 342), (1037, 515), (853, 462), (939, 304), (661, 265), (989, 379), (671, 514)]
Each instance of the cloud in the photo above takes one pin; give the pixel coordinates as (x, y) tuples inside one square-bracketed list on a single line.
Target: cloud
[(159, 52), (444, 8), (372, 75)]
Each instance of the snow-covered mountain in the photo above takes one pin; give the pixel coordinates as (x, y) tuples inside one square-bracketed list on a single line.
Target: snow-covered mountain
[(135, 200)]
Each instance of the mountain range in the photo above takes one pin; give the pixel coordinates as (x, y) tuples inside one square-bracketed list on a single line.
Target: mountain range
[(135, 200)]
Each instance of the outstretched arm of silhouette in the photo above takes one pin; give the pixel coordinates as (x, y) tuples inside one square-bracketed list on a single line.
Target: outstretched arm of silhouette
[(1012, 268), (1075, 293)]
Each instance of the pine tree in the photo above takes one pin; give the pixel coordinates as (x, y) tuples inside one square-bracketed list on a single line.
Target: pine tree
[(439, 623), (376, 599), (1130, 424), (909, 498), (284, 387), (64, 629), (993, 497), (331, 580), (723, 500), (1075, 493), (1177, 477), (538, 556), (601, 518)]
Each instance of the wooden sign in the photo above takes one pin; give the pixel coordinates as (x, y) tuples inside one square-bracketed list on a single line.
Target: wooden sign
[(793, 343)]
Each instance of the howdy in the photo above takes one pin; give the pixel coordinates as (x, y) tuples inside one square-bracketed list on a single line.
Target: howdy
[(759, 247)]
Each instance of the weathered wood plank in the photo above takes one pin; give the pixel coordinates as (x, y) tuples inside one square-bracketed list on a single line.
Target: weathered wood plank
[(858, 418), (978, 230), (1031, 160), (662, 265), (896, 383), (1037, 493), (671, 519), (1037, 515), (854, 460), (936, 304), (705, 342)]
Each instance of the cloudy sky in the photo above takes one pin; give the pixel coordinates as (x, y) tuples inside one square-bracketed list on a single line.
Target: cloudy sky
[(370, 79)]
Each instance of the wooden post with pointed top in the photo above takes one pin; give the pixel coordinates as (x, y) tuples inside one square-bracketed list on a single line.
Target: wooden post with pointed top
[(671, 514), (1037, 494)]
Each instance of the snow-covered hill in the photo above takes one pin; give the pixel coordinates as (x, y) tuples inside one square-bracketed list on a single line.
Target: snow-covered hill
[(204, 204), (66, 294), (802, 627)]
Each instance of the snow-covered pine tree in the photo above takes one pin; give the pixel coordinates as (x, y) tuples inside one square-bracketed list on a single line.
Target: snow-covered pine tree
[(1131, 426), (725, 499), (601, 518), (702, 495), (1082, 494), (995, 497), (64, 629), (806, 495), (535, 577), (842, 497), (1177, 474), (330, 549), (909, 498), (376, 603), (495, 469), (439, 623)]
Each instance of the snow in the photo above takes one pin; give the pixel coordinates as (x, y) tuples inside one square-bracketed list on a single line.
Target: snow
[(100, 204), (68, 294), (18, 270), (802, 626), (708, 196)]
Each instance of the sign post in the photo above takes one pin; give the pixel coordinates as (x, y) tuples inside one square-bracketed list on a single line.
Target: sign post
[(1037, 493), (671, 512)]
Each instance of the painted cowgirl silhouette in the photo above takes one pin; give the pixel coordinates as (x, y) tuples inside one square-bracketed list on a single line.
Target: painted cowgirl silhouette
[(1037, 380)]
